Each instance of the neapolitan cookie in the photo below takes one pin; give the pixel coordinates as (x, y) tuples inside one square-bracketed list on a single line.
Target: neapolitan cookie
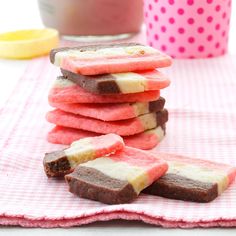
[(112, 112), (191, 179), (121, 83), (146, 140), (66, 91), (118, 178), (121, 127), (105, 59), (59, 163)]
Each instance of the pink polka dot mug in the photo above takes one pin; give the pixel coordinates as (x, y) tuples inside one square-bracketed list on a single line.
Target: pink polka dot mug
[(188, 28)]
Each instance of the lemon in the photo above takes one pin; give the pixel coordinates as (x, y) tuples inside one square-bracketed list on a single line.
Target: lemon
[(25, 44)]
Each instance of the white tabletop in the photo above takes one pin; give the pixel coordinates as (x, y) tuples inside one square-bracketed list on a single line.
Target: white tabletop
[(24, 14)]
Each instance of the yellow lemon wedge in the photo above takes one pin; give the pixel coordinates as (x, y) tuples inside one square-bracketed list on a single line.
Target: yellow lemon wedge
[(25, 44)]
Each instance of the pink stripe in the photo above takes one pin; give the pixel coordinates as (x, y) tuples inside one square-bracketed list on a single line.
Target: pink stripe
[(106, 144), (153, 166), (115, 65)]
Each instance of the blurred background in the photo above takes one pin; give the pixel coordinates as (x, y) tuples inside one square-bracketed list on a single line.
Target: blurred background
[(25, 14)]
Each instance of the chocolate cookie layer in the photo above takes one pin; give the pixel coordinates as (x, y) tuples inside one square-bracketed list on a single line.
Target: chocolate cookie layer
[(157, 105), (181, 188), (56, 164), (100, 84), (92, 184), (162, 117)]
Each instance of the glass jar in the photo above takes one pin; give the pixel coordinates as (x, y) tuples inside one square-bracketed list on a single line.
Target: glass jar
[(105, 18)]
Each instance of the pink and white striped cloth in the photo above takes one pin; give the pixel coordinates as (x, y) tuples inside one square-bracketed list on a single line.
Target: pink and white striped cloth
[(202, 105)]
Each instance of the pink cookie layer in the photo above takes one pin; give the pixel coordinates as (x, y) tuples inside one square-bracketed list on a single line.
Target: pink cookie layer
[(106, 144), (106, 112), (145, 141), (123, 127), (115, 64), (227, 169), (65, 135), (153, 166), (75, 94), (155, 80)]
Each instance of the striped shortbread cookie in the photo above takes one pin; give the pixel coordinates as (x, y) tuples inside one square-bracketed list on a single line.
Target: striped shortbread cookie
[(192, 179), (104, 59), (121, 83), (121, 127), (118, 178), (66, 91), (59, 163), (145, 140)]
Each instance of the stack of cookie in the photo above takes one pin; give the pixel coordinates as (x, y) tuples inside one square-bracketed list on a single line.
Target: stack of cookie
[(109, 89)]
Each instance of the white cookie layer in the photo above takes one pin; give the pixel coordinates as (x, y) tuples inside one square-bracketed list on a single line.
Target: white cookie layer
[(159, 132), (62, 83), (136, 176), (59, 56), (130, 82), (148, 120), (103, 52), (80, 151), (140, 50), (140, 108)]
